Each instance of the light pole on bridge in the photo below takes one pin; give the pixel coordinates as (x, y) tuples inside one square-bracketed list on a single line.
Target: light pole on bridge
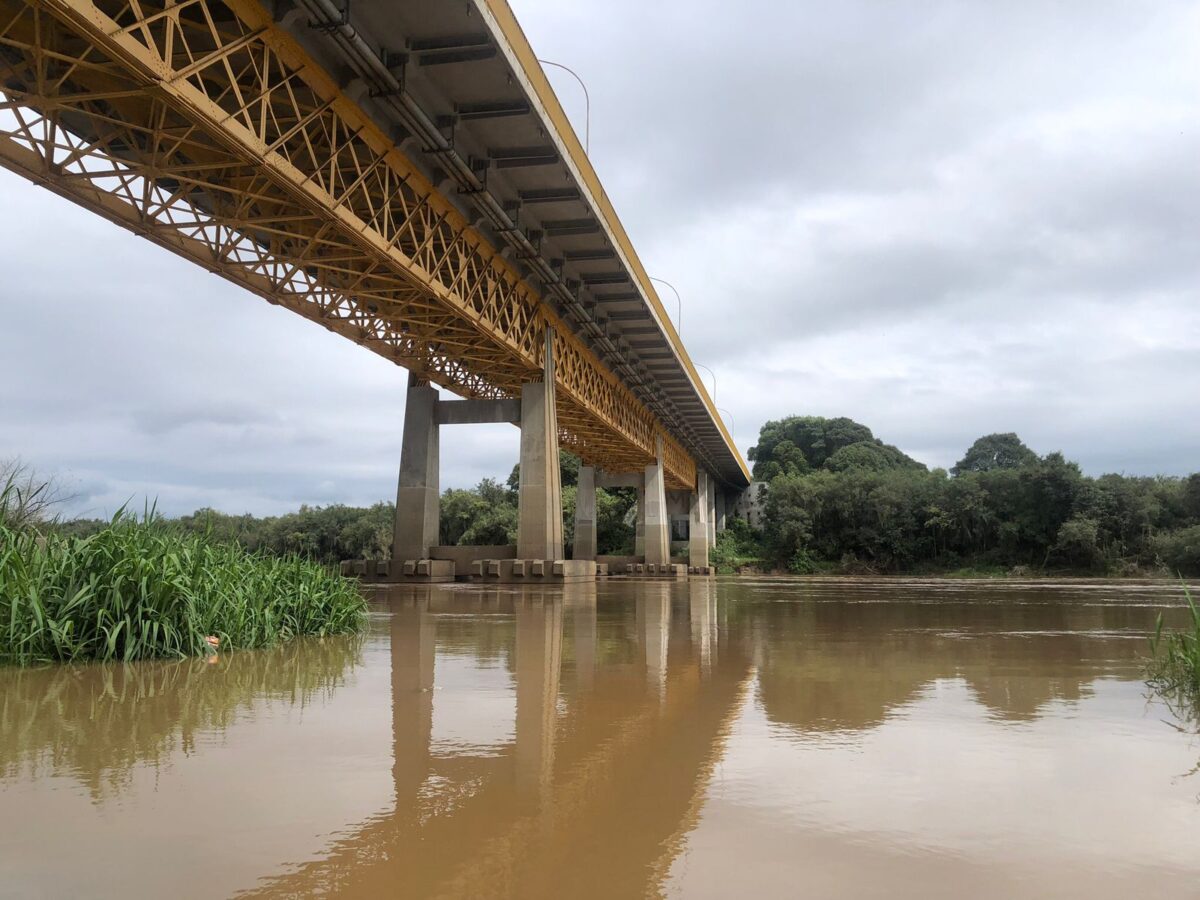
[(729, 416), (714, 378), (587, 102), (678, 300)]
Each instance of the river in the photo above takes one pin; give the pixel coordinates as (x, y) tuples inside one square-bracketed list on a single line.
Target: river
[(712, 738)]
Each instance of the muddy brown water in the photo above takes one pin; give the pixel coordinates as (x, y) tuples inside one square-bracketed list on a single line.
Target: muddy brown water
[(727, 738)]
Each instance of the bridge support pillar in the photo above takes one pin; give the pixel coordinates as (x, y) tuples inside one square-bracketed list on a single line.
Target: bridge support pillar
[(415, 528), (698, 527), (639, 532), (539, 501), (710, 493), (658, 523), (584, 545)]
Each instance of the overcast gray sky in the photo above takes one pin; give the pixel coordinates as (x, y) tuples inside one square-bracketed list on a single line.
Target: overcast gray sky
[(939, 218)]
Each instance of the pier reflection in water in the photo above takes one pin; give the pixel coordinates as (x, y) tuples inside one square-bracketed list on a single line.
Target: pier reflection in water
[(694, 739)]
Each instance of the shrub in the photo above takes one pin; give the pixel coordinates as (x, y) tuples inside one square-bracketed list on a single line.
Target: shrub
[(1180, 550)]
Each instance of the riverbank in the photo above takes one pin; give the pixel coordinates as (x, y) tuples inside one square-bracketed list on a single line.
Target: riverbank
[(142, 589), (758, 567)]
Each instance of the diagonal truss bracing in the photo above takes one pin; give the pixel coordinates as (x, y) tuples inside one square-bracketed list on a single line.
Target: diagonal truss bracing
[(202, 126)]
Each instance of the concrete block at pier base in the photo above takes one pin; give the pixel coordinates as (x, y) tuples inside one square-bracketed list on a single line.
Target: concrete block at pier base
[(659, 572), (368, 570), (601, 570), (423, 571), (701, 570), (534, 571)]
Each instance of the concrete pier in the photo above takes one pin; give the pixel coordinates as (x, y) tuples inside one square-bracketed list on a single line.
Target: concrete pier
[(415, 528), (710, 493), (539, 502), (698, 524), (584, 544), (658, 523), (639, 532)]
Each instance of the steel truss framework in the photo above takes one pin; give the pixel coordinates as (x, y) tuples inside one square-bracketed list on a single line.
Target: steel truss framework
[(205, 128)]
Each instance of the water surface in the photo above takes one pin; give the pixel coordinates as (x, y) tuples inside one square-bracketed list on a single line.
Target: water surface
[(706, 739)]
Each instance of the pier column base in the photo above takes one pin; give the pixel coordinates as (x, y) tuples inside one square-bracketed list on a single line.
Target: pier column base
[(533, 571)]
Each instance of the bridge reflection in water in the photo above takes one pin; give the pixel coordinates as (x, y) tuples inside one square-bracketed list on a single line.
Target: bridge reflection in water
[(616, 736)]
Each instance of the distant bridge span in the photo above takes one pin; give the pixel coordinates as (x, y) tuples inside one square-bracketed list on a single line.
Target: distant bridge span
[(403, 175)]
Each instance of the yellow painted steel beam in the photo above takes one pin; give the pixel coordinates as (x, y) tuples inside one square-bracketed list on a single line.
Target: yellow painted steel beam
[(205, 128)]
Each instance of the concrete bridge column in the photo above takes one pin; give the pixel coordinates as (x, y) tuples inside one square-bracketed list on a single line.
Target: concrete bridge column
[(711, 498), (722, 498), (698, 526), (539, 501), (658, 523), (639, 528), (415, 528), (584, 545)]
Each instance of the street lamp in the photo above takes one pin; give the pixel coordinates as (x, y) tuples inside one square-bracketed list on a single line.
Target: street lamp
[(587, 103), (729, 416), (714, 378), (679, 300)]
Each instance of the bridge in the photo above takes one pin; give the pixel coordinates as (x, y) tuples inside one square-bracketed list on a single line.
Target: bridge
[(402, 174)]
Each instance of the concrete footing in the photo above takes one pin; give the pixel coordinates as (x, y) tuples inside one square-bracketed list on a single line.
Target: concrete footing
[(533, 571), (410, 571), (510, 571), (654, 570), (422, 571)]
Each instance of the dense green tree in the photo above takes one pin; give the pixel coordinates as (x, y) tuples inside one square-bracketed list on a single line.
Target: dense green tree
[(865, 507), (1077, 544), (798, 444), (995, 451), (1180, 550)]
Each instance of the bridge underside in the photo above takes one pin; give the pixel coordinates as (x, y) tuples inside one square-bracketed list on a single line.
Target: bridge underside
[(205, 128)]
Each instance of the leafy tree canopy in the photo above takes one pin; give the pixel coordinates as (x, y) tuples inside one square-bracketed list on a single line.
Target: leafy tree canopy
[(800, 444), (995, 451)]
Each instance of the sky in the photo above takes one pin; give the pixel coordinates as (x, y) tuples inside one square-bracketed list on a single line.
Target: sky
[(942, 219)]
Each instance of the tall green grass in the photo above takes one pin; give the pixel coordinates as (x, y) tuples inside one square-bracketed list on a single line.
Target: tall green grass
[(1174, 668), (140, 589)]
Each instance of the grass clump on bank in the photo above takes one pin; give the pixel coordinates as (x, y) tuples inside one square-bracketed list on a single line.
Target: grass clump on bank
[(1174, 669), (141, 589)]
